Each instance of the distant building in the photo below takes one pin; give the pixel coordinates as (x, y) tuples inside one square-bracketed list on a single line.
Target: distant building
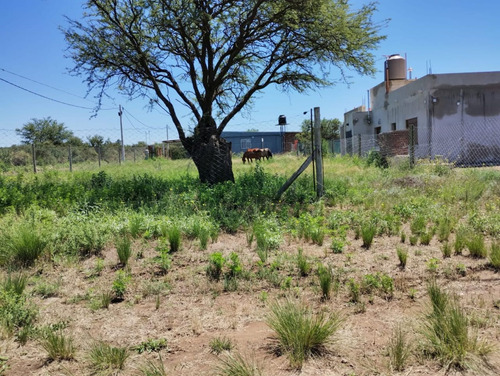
[(456, 116), (276, 141)]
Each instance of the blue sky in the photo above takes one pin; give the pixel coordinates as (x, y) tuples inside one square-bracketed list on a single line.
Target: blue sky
[(448, 36)]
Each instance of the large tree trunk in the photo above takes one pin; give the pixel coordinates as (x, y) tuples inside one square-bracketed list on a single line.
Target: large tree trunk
[(211, 154)]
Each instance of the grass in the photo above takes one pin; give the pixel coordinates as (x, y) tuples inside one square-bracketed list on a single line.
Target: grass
[(22, 247), (448, 336), (123, 246), (301, 333), (325, 276), (237, 365), (402, 256), (153, 368), (220, 344), (368, 231), (476, 246), (58, 346), (15, 283), (303, 263), (495, 255), (104, 357), (399, 349)]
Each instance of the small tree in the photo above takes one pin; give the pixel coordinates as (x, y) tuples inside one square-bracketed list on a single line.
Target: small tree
[(213, 56), (329, 131), (46, 131)]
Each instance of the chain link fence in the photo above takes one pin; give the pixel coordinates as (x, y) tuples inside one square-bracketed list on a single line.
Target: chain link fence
[(38, 157), (474, 143)]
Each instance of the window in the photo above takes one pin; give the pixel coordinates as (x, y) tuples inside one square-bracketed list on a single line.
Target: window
[(246, 143), (378, 130), (413, 124), (393, 127)]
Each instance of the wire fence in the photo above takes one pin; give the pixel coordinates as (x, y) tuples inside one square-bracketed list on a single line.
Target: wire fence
[(39, 157), (472, 143)]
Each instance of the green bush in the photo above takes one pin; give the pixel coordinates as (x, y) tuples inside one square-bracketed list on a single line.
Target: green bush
[(325, 276), (22, 247), (215, 266), (402, 256), (476, 246), (123, 246), (368, 231)]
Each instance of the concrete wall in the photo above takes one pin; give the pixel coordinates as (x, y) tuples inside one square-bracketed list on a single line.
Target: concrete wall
[(458, 115)]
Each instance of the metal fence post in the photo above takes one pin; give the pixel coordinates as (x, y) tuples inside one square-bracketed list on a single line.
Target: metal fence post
[(318, 154), (119, 156), (33, 156), (411, 145), (359, 145), (99, 155), (70, 158)]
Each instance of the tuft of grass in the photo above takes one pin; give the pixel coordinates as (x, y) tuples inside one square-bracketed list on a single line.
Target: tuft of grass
[(104, 357), (237, 365), (220, 344), (368, 231), (425, 237), (446, 249), (174, 235), (402, 256), (495, 255), (325, 276), (413, 239), (461, 236), (354, 290), (448, 336), (152, 368), (23, 247), (476, 246), (123, 246), (15, 283), (301, 333), (302, 263), (399, 349), (58, 346)]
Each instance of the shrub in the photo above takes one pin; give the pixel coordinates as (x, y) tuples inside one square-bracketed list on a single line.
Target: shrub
[(58, 346), (447, 334), (16, 312), (301, 333), (120, 284), (151, 345), (215, 264), (337, 245), (237, 365), (267, 234), (495, 255), (104, 357), (418, 225)]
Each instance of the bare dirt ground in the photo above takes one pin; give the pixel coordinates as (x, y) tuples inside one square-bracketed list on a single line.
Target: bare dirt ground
[(193, 311)]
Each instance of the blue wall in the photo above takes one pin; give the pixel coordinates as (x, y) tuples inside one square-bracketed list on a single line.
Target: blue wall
[(241, 141)]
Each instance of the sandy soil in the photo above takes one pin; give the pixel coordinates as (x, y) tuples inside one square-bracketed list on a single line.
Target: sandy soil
[(193, 311)]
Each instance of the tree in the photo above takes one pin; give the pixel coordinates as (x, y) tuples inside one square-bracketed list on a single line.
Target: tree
[(213, 56), (45, 131), (329, 129)]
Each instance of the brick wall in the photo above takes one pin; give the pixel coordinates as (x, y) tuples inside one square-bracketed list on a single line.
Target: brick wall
[(393, 143)]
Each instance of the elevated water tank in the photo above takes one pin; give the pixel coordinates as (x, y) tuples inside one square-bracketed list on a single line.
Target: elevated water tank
[(395, 68)]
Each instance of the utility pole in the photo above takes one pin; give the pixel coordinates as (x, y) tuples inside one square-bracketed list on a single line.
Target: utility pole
[(121, 131)]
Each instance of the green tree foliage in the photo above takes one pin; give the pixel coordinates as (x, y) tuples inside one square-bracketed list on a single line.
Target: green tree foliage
[(212, 57), (46, 131)]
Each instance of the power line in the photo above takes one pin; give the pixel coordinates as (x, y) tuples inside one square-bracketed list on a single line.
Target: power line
[(45, 97)]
